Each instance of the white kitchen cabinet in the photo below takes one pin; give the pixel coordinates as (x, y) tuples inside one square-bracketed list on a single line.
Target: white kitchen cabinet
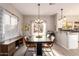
[(67, 39), (73, 40)]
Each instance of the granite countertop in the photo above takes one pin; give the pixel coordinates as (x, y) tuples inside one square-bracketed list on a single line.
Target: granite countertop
[(69, 30), (9, 41)]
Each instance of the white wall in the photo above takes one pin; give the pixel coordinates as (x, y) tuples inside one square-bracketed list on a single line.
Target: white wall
[(13, 10), (50, 21)]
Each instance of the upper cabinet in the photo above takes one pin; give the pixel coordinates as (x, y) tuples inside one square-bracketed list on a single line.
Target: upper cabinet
[(69, 23)]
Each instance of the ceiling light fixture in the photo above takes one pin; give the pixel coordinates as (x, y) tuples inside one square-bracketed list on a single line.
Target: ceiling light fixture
[(61, 13), (62, 16), (51, 3), (38, 17), (38, 11)]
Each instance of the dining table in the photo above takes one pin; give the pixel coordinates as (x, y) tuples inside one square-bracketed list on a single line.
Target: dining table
[(39, 43)]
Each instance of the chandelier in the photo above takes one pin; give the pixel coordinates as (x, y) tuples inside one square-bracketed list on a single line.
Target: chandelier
[(38, 20), (38, 26)]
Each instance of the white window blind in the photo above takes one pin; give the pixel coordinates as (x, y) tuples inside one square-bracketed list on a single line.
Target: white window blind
[(10, 25)]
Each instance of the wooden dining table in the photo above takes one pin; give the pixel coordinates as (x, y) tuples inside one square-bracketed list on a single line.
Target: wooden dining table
[(39, 42)]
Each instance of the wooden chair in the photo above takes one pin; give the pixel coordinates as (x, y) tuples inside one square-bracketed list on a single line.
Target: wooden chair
[(49, 45), (52, 40), (29, 44)]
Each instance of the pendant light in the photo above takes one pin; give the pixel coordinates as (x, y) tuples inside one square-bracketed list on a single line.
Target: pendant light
[(39, 26), (61, 13), (38, 11), (62, 16), (38, 20)]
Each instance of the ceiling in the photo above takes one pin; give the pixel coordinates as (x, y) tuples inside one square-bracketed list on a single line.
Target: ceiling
[(46, 9)]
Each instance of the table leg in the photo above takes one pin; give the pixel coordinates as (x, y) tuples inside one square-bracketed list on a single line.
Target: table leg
[(39, 49)]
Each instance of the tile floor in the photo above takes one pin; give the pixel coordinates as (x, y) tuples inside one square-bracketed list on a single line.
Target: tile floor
[(56, 51)]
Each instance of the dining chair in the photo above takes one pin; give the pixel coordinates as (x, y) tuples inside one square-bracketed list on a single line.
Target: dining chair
[(51, 37), (29, 45), (49, 45)]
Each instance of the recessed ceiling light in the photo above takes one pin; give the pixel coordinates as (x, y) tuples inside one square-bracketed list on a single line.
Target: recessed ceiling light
[(51, 3)]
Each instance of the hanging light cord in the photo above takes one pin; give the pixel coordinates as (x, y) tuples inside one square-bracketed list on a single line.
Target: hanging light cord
[(38, 10), (61, 13)]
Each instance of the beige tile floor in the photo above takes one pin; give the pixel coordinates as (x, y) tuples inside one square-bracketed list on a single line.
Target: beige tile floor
[(56, 49)]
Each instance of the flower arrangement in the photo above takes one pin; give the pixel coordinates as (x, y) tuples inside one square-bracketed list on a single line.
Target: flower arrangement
[(26, 27), (39, 36)]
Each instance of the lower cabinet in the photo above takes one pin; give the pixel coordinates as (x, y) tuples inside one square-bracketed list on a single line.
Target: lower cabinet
[(73, 40), (10, 49), (68, 40), (7, 50)]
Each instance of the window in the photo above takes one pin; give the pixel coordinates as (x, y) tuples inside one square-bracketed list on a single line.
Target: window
[(9, 21), (10, 25), (6, 18), (13, 20), (6, 22)]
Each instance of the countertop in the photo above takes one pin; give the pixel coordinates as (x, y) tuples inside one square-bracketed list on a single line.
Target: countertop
[(69, 30), (9, 41)]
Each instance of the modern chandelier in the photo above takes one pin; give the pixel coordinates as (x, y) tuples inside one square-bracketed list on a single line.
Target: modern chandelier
[(38, 20)]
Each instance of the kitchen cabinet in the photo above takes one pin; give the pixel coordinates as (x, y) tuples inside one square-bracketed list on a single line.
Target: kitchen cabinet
[(67, 39), (72, 40)]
